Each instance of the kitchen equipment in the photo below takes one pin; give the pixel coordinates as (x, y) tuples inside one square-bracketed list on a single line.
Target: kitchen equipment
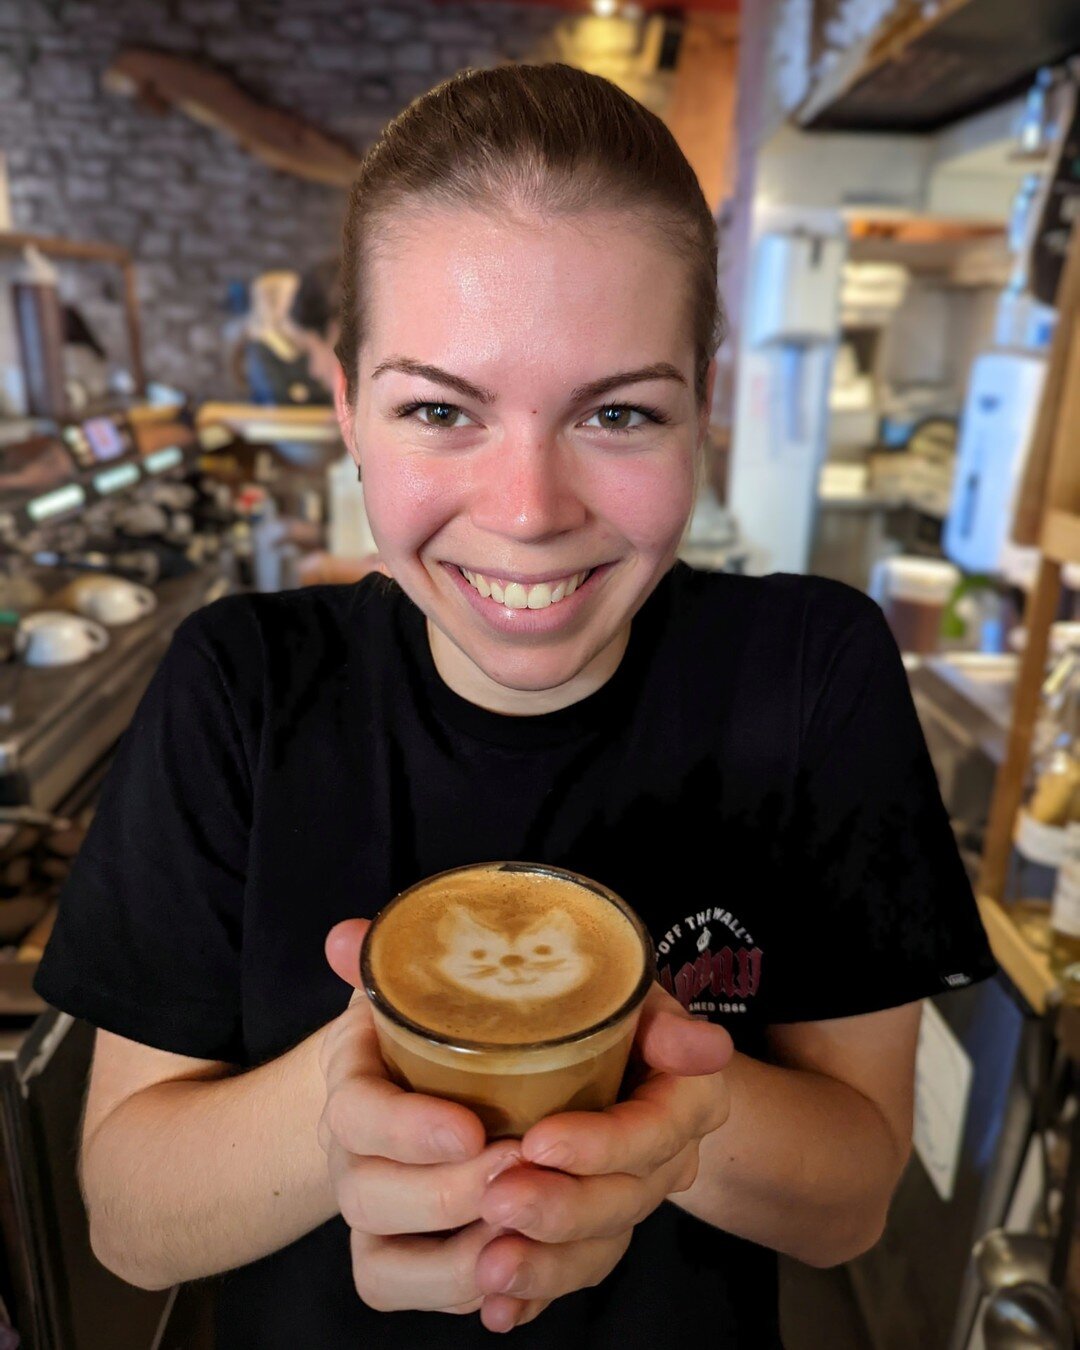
[(1027, 1316), (1005, 1259), (112, 600), (54, 638)]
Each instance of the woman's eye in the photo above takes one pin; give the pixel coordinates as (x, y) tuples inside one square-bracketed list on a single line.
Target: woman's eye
[(444, 415), (620, 417)]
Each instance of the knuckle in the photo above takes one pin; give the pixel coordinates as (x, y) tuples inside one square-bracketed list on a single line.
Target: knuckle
[(687, 1174), (371, 1287), (443, 1204), (353, 1204)]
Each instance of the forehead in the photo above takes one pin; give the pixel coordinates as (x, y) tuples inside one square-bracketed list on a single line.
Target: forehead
[(467, 289)]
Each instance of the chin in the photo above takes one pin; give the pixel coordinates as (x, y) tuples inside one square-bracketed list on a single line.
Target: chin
[(529, 673)]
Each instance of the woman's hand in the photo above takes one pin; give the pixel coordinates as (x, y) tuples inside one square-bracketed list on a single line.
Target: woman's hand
[(406, 1170), (573, 1224)]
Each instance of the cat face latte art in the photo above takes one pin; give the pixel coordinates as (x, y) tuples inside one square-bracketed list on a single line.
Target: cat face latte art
[(510, 987), (542, 962)]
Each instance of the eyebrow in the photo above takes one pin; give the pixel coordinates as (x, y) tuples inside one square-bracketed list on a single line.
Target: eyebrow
[(661, 370)]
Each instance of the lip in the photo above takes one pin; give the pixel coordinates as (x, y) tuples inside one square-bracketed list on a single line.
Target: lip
[(528, 622)]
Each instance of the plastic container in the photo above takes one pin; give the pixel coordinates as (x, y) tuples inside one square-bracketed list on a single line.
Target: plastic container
[(914, 592)]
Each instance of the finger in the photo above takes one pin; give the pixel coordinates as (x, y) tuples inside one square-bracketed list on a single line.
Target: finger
[(670, 1040), (432, 1274), (552, 1207), (342, 947), (373, 1117), (385, 1198), (636, 1136), (500, 1313), (365, 1113), (513, 1265)]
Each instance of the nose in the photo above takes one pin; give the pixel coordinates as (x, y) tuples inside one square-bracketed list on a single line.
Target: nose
[(528, 490), (511, 961)]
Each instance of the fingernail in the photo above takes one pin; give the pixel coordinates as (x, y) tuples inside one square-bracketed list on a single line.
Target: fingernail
[(502, 1165), (519, 1282), (446, 1142), (558, 1155)]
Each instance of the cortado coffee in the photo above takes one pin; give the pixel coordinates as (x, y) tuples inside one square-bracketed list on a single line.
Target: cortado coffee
[(513, 988)]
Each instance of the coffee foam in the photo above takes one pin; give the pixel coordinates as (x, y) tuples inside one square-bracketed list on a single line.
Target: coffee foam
[(505, 957)]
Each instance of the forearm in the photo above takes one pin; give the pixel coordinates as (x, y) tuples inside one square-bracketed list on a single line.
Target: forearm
[(188, 1178), (804, 1164)]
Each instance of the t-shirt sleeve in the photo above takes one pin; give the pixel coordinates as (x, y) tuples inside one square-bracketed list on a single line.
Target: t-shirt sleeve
[(147, 942), (878, 910)]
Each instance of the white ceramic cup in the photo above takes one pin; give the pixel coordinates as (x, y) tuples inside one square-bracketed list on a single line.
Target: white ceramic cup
[(113, 600), (55, 638)]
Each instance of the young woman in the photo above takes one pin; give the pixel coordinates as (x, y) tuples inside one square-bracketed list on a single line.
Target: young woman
[(529, 324)]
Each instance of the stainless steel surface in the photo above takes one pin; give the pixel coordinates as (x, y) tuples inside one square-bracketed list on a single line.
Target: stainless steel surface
[(65, 719), (1027, 1316), (1003, 1259)]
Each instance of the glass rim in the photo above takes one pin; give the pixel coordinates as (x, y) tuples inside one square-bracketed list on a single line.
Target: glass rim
[(463, 1046)]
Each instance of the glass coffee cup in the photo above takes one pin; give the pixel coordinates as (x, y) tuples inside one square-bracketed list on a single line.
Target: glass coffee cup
[(513, 988)]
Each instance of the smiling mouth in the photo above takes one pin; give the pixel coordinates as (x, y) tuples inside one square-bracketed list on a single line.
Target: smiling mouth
[(516, 595)]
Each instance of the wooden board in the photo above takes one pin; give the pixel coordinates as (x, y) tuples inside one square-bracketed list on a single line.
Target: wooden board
[(278, 138), (928, 66)]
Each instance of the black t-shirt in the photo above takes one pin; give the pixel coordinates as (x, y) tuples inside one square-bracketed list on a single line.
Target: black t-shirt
[(753, 780)]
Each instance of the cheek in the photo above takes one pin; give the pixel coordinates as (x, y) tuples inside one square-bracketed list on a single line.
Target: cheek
[(648, 499), (406, 501)]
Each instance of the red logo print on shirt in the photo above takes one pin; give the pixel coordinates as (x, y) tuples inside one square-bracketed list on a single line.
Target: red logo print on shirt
[(719, 979)]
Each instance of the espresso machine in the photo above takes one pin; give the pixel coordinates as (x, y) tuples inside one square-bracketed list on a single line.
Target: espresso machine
[(111, 532)]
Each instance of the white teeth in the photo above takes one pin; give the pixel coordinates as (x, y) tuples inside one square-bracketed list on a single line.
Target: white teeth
[(540, 596), (515, 595)]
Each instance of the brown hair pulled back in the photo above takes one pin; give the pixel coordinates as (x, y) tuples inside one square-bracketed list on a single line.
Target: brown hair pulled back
[(550, 140)]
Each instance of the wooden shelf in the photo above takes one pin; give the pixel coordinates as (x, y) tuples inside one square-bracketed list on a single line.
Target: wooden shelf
[(81, 250), (925, 68), (1027, 967)]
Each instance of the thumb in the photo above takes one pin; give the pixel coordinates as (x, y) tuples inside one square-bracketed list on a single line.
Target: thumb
[(670, 1040), (343, 943)]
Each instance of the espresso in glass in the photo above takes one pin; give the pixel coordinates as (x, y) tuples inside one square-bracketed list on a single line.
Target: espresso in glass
[(513, 988)]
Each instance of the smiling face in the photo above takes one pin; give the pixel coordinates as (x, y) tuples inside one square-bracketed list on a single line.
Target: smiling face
[(527, 430)]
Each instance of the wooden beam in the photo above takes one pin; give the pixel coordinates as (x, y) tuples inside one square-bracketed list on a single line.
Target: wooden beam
[(1061, 537), (1039, 612), (280, 139), (14, 241)]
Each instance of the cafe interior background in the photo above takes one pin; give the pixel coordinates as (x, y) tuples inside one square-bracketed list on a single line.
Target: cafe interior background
[(895, 183)]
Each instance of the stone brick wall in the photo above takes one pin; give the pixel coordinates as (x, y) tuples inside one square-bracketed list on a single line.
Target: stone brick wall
[(195, 210)]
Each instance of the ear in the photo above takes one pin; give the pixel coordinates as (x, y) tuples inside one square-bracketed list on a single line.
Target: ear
[(457, 925), (345, 413), (557, 919)]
